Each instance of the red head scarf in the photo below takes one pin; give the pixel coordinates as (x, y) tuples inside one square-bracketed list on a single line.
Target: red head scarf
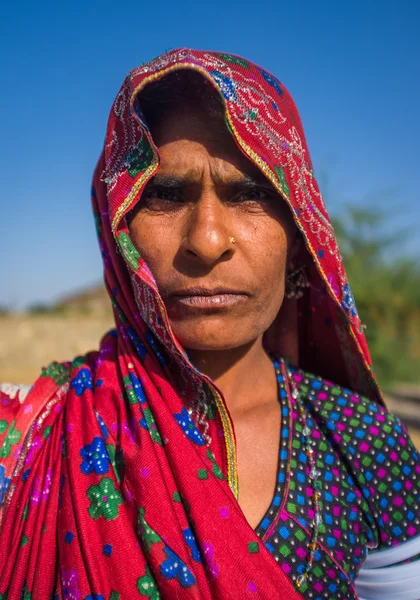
[(111, 490)]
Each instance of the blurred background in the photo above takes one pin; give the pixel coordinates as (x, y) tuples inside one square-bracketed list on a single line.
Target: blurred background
[(353, 71)]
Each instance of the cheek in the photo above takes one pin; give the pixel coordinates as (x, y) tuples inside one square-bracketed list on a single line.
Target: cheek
[(155, 242), (269, 248), (270, 260)]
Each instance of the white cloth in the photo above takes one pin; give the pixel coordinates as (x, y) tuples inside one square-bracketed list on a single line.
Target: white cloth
[(382, 578), (12, 390)]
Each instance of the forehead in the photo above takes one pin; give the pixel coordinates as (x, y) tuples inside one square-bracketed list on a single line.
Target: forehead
[(188, 139)]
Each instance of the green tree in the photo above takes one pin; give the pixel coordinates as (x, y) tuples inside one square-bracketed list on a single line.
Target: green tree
[(386, 286)]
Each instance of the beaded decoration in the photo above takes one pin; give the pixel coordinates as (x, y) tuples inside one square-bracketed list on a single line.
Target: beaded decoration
[(296, 282), (314, 475)]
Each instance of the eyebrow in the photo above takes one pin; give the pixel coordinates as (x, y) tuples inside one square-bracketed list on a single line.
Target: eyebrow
[(190, 178)]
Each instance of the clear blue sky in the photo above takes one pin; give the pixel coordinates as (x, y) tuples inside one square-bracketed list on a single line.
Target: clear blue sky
[(352, 67)]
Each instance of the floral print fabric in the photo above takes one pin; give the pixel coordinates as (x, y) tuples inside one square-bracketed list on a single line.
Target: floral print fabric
[(108, 488), (370, 498)]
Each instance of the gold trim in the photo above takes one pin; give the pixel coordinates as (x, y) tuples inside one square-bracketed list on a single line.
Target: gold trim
[(155, 163), (229, 437), (230, 443), (228, 433), (274, 180), (133, 192)]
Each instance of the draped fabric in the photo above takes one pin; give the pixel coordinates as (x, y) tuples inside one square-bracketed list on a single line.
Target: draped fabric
[(109, 486)]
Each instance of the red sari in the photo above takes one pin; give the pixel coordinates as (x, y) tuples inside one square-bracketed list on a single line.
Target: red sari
[(109, 489)]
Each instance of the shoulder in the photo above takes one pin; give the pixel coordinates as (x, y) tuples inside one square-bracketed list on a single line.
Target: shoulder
[(12, 397), (12, 400), (20, 408), (14, 392), (378, 453), (365, 425)]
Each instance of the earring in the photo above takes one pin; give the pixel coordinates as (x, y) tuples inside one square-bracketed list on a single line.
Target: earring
[(296, 282)]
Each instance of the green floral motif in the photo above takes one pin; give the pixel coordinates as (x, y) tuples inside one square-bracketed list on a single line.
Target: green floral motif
[(146, 586), (139, 158), (105, 500), (129, 251), (78, 361), (4, 596), (132, 397), (211, 404), (58, 372), (46, 431), (147, 534), (117, 461), (235, 60), (12, 438), (151, 426), (3, 426), (216, 469), (121, 315), (281, 176), (26, 594)]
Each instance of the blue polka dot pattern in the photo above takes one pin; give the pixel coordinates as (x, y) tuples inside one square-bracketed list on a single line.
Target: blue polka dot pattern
[(370, 492)]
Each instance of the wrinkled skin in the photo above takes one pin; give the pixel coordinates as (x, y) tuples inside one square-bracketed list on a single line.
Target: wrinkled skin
[(206, 192), (184, 234)]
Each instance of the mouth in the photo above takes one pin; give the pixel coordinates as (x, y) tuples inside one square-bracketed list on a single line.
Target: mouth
[(204, 298)]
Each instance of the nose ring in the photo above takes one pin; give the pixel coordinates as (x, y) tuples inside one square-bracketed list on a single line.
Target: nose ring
[(232, 240)]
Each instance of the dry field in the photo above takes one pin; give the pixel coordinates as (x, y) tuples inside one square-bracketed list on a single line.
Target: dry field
[(29, 342)]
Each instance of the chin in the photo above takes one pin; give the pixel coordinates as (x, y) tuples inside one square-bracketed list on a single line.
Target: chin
[(203, 345), (206, 338)]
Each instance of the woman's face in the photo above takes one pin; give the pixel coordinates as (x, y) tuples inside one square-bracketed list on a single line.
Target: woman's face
[(215, 234)]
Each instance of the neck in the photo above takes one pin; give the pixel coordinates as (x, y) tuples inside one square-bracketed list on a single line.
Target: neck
[(244, 375)]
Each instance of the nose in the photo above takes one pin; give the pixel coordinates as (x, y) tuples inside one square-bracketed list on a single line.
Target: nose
[(208, 236)]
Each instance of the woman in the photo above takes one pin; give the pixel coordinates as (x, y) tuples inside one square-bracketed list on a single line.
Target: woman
[(204, 451)]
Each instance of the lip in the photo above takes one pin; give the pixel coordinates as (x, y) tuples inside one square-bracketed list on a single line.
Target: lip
[(205, 298), (202, 291)]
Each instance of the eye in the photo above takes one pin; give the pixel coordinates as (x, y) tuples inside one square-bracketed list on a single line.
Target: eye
[(252, 195), (155, 198)]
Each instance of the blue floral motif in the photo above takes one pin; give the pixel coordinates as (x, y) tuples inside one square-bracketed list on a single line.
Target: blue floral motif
[(192, 544), (94, 597), (101, 423), (138, 388), (185, 422), (156, 347), (4, 484), (82, 382), (226, 85), (95, 457), (271, 81), (348, 302), (175, 568), (140, 347)]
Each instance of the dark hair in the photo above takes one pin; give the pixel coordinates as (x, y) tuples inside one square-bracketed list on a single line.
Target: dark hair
[(182, 89)]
